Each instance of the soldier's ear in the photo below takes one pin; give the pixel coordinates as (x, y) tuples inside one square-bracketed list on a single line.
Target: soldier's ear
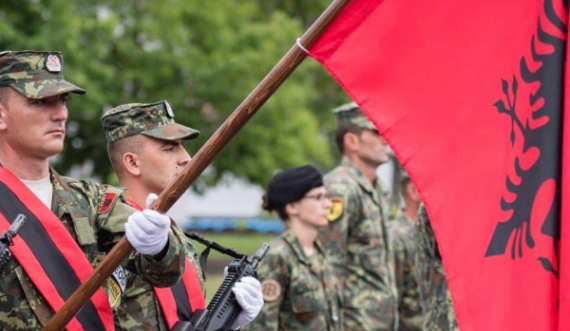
[(131, 164), (3, 115), (413, 193), (351, 142), (291, 209)]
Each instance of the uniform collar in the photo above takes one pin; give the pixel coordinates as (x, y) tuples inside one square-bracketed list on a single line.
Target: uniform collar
[(358, 175), (57, 180), (295, 245), (59, 187), (377, 189), (403, 218), (290, 238)]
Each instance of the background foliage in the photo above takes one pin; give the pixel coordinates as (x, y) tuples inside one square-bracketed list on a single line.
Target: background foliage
[(204, 57)]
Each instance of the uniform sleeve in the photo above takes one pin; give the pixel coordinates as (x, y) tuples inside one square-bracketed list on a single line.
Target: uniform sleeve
[(274, 277), (344, 211), (163, 273), (403, 245), (400, 253)]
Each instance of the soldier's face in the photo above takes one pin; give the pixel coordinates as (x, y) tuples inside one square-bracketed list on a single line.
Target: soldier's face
[(35, 128), (160, 162), (372, 149), (313, 208)]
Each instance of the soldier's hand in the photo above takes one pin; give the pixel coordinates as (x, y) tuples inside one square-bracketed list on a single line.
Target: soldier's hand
[(148, 230), (249, 296)]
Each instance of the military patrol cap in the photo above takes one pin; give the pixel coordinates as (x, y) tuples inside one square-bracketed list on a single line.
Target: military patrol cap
[(36, 75), (154, 120), (350, 114)]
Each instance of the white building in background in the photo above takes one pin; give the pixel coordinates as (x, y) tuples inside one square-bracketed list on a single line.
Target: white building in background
[(233, 198), (236, 198)]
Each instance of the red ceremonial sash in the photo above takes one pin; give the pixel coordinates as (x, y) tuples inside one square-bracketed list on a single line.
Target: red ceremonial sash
[(50, 256), (179, 301)]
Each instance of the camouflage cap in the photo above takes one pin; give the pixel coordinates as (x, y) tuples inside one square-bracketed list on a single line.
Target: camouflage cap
[(36, 75), (151, 119), (350, 114)]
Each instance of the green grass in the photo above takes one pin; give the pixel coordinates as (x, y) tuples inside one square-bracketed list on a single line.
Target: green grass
[(246, 243)]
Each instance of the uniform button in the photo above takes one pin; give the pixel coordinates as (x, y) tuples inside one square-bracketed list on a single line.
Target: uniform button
[(335, 314)]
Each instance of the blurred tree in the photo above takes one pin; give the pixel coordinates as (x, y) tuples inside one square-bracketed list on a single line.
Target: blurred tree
[(204, 57), (328, 94), (306, 11)]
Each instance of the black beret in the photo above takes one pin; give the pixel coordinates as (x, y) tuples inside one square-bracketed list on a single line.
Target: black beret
[(292, 184)]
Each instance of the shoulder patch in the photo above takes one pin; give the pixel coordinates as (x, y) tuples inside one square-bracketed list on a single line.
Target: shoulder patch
[(108, 202), (271, 290), (336, 209), (114, 292), (120, 278), (116, 285)]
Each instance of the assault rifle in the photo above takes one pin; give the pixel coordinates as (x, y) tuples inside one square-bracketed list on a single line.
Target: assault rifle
[(223, 310), (6, 240)]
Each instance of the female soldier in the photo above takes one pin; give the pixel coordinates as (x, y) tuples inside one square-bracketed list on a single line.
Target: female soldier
[(299, 288)]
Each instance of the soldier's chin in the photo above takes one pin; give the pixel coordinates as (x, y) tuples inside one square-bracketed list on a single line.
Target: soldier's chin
[(375, 162), (383, 159), (323, 223), (53, 149)]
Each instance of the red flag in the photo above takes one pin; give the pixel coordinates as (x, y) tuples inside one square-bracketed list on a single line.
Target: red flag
[(470, 95)]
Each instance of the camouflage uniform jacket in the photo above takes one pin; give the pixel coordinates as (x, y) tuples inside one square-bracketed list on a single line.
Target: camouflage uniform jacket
[(435, 299), (403, 241), (299, 295), (140, 309), (358, 244), (77, 204)]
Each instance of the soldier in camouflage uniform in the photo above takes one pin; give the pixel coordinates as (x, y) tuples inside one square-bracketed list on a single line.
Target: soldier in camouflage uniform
[(403, 242), (298, 283), (434, 293), (146, 152), (33, 96), (357, 238)]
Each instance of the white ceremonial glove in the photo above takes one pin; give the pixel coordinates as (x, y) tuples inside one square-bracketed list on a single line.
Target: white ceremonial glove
[(148, 230), (249, 296)]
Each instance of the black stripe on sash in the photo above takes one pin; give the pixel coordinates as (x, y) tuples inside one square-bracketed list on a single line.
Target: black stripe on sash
[(55, 265), (183, 309)]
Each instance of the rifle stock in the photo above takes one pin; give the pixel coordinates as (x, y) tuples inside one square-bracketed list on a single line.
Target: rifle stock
[(241, 115)]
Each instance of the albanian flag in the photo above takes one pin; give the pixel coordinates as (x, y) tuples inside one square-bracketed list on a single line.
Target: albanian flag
[(470, 95)]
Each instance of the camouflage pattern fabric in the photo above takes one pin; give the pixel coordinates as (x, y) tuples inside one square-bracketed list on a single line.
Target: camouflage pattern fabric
[(434, 293), (357, 243), (300, 293), (403, 241), (153, 119), (77, 203), (36, 75), (351, 114), (140, 309)]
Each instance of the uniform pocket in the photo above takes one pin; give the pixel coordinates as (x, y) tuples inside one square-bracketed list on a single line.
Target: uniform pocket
[(84, 231), (306, 306), (37, 304)]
